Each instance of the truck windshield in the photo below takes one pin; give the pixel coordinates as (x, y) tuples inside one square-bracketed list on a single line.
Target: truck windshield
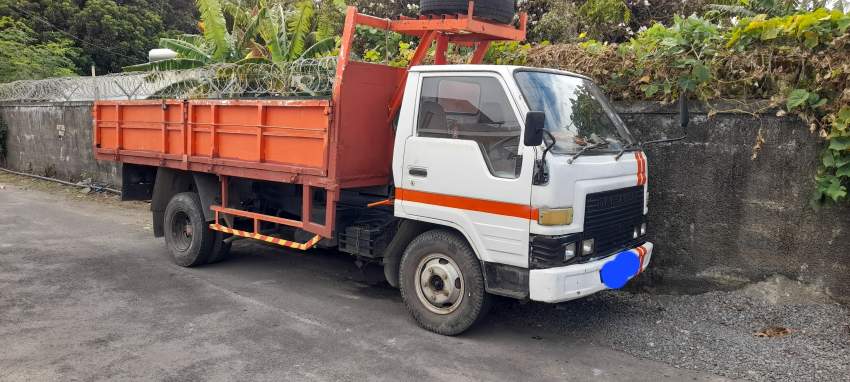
[(577, 113)]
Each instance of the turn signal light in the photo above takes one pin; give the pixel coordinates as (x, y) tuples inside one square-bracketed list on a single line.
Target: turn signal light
[(559, 216)]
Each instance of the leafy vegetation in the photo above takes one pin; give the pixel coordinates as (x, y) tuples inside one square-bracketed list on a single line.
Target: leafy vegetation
[(619, 20), (21, 57), (800, 62), (265, 32), (108, 34), (601, 16), (388, 8)]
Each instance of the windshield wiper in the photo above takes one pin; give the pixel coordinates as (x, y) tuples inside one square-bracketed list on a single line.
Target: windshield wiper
[(585, 149), (626, 148)]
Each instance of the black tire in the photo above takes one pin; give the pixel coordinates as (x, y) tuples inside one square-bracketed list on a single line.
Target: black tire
[(501, 11), (473, 303), (187, 234), (220, 250)]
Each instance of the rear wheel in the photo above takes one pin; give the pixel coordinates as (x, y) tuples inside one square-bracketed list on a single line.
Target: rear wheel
[(501, 11), (221, 249), (187, 234), (442, 284)]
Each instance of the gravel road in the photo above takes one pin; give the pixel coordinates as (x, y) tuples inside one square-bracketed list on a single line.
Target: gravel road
[(88, 293), (712, 332)]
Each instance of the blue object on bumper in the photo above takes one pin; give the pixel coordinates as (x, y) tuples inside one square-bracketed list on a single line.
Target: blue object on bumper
[(616, 273)]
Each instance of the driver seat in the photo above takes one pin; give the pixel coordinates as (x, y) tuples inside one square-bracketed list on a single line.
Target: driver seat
[(432, 120)]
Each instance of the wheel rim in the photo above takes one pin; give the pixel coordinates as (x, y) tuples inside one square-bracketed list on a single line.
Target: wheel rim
[(439, 283), (181, 231)]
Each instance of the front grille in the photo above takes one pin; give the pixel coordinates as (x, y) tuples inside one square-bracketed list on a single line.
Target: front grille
[(610, 218)]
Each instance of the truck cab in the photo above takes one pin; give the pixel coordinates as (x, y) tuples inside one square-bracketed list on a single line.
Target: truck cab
[(549, 220)]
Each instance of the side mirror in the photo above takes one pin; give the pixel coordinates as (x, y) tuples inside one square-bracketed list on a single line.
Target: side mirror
[(684, 114), (534, 125)]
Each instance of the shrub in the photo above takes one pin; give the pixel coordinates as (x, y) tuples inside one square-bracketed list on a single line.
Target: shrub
[(558, 24), (605, 19)]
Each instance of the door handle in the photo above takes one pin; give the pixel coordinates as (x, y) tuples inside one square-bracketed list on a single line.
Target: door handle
[(418, 171)]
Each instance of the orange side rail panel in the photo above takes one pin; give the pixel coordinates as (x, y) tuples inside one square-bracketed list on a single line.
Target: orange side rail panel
[(272, 135)]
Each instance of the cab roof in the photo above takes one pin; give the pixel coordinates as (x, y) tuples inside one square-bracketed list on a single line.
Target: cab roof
[(504, 69)]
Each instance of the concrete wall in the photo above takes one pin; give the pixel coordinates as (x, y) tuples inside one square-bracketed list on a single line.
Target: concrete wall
[(718, 217), (721, 218), (35, 144)]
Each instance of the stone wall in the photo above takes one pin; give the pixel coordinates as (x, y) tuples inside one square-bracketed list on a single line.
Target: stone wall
[(55, 140), (721, 217)]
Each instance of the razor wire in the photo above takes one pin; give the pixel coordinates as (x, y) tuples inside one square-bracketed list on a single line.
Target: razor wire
[(300, 78)]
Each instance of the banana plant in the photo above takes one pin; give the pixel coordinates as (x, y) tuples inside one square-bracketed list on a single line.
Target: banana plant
[(267, 32)]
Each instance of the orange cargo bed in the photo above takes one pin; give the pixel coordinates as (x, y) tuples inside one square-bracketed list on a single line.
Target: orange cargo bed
[(320, 142)]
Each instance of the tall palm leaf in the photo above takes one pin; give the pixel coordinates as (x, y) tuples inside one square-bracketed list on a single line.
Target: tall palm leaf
[(185, 49), (215, 28), (195, 40), (320, 48), (298, 27), (275, 39), (251, 29)]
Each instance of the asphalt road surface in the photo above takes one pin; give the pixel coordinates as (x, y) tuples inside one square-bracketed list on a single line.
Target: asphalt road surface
[(87, 293)]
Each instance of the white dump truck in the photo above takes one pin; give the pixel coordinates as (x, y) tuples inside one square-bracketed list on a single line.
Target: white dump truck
[(459, 181)]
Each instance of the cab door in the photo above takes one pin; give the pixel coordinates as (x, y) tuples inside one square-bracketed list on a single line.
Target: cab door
[(464, 164)]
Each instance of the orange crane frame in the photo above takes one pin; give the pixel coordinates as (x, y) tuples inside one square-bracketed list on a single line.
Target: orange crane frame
[(460, 29)]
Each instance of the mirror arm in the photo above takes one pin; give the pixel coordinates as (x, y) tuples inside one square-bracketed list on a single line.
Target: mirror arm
[(541, 175)]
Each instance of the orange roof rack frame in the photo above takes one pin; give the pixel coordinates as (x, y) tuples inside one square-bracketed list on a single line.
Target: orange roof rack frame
[(460, 29)]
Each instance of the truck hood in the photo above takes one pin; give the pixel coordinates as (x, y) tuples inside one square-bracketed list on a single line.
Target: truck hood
[(569, 184)]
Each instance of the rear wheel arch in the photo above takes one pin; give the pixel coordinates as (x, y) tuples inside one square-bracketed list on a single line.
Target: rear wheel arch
[(208, 187), (170, 182)]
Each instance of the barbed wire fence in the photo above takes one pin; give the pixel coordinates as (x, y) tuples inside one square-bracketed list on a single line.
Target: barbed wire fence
[(301, 78)]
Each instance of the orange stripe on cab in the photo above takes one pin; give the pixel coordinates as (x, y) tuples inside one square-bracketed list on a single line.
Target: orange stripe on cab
[(641, 163), (464, 203)]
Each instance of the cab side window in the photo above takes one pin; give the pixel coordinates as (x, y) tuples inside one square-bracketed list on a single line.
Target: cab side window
[(475, 109)]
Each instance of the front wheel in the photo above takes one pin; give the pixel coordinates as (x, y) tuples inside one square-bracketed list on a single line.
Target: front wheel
[(442, 284)]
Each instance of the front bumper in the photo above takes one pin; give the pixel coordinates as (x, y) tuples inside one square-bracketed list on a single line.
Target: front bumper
[(576, 281)]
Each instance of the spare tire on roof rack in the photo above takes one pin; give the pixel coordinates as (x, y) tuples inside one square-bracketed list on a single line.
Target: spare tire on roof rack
[(501, 11)]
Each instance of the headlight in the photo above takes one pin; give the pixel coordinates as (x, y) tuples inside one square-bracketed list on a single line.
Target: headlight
[(587, 247), (636, 233), (569, 251), (559, 216), (643, 229)]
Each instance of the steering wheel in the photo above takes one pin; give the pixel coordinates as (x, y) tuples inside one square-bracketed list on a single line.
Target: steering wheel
[(503, 145)]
